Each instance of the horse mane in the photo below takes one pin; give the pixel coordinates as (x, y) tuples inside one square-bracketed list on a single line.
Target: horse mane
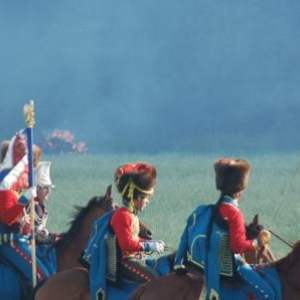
[(78, 218)]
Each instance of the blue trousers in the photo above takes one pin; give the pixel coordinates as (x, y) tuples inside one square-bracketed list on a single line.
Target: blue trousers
[(254, 283), (18, 253)]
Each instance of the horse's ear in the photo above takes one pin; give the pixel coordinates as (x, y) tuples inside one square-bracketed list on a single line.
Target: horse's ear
[(108, 192), (256, 220)]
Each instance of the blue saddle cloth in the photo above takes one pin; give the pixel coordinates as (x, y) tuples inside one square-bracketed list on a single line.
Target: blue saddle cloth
[(10, 287), (269, 274), (226, 292), (47, 254)]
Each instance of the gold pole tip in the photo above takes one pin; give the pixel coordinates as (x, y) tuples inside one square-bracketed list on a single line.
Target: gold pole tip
[(28, 111)]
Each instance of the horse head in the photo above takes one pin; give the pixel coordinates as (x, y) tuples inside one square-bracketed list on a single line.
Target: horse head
[(253, 229), (264, 254)]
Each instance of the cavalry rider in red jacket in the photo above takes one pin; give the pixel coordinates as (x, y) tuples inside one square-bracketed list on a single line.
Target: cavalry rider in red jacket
[(14, 197), (231, 180), (135, 183)]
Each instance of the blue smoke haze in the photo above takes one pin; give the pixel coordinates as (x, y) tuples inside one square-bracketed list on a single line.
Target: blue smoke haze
[(154, 76)]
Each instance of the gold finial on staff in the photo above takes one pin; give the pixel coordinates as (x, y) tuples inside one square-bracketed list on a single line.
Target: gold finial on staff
[(29, 113)]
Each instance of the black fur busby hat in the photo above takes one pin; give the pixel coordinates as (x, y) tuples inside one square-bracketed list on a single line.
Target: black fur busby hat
[(135, 178), (231, 175)]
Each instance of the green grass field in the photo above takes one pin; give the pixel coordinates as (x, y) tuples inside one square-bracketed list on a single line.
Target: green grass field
[(184, 182)]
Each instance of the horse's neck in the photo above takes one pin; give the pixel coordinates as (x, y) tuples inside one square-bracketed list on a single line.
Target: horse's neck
[(68, 255), (289, 274), (289, 292)]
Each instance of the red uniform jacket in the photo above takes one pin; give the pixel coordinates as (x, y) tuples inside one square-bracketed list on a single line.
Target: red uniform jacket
[(10, 210), (126, 227), (237, 231)]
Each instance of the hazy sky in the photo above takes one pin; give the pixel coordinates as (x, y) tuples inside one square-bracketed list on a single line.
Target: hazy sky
[(154, 75)]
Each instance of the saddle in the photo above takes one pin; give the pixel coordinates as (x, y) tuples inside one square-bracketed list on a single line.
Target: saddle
[(16, 281)]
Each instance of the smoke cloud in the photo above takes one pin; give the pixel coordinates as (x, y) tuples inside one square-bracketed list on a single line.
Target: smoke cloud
[(154, 76)]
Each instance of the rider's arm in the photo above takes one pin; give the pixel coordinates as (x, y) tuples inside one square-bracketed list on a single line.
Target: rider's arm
[(237, 231)]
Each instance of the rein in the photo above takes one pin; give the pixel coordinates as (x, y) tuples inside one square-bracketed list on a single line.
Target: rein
[(285, 193), (169, 249), (289, 243)]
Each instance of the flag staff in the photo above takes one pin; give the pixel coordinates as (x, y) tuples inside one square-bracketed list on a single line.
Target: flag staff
[(30, 121)]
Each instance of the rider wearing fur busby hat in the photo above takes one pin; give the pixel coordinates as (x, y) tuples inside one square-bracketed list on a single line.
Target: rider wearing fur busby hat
[(15, 195), (226, 219), (231, 175), (135, 182), (231, 180)]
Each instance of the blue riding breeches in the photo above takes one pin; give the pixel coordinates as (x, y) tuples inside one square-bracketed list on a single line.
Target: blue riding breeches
[(253, 282), (18, 253)]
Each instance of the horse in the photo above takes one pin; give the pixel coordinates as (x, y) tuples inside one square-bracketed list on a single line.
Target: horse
[(74, 284), (285, 271), (72, 243), (67, 250)]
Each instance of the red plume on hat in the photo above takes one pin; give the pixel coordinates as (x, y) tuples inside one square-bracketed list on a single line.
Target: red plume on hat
[(231, 175)]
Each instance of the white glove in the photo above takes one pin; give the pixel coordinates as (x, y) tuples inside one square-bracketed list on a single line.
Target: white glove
[(156, 246), (27, 196), (42, 232), (30, 193), (42, 235)]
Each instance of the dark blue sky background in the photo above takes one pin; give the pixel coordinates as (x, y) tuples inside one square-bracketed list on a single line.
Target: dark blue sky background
[(157, 75)]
